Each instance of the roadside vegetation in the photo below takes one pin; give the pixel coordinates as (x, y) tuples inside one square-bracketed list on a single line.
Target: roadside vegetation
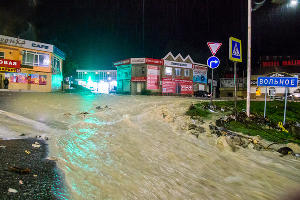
[(269, 128), (198, 110)]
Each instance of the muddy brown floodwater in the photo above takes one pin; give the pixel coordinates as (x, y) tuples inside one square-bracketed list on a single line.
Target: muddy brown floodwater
[(138, 148)]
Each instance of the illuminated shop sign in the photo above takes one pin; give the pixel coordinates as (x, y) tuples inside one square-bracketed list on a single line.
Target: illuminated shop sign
[(280, 62), (137, 60), (25, 43), (122, 62), (7, 69), (138, 79), (9, 63), (178, 64), (152, 61)]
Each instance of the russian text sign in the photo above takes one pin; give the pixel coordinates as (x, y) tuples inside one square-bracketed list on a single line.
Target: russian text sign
[(277, 81)]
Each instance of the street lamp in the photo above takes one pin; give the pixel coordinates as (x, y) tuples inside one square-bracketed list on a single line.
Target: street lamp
[(293, 3)]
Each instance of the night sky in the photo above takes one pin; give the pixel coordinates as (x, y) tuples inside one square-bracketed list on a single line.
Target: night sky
[(95, 33)]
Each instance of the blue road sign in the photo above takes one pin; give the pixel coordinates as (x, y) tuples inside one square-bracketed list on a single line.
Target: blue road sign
[(235, 49), (213, 62), (277, 81)]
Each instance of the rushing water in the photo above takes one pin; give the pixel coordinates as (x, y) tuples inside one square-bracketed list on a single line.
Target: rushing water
[(137, 149)]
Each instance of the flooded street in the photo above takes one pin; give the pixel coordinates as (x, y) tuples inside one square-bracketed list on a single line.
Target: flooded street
[(136, 147)]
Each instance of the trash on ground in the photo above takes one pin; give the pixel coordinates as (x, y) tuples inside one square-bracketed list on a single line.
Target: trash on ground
[(20, 182), (19, 170), (12, 190), (28, 152), (34, 175), (36, 145), (2, 146)]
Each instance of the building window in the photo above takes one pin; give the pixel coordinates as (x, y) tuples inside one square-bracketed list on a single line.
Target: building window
[(143, 70), (177, 71), (2, 55), (168, 71), (186, 72), (55, 64), (35, 59)]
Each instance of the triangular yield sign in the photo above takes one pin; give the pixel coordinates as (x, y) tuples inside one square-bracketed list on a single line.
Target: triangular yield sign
[(214, 47)]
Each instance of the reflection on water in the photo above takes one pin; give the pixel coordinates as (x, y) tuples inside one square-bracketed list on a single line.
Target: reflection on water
[(131, 152)]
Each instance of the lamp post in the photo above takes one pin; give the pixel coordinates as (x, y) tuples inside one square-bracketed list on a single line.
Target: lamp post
[(249, 58), (293, 3)]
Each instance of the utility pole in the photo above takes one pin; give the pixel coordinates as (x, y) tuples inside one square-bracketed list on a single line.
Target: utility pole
[(143, 33), (249, 58)]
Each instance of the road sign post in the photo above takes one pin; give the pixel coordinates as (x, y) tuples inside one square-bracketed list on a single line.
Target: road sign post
[(235, 55), (235, 109), (213, 62), (265, 109), (278, 82), (286, 91), (211, 86)]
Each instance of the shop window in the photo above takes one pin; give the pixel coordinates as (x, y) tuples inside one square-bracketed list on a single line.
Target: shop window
[(55, 64), (35, 59), (186, 72), (168, 71), (177, 71), (2, 55)]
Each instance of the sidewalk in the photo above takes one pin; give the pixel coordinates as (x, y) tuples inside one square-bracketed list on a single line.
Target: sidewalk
[(40, 180)]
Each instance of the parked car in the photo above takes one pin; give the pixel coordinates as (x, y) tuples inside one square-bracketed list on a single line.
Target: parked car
[(201, 94)]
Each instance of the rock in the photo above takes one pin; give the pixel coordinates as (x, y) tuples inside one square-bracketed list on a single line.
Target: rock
[(84, 113), (295, 131), (246, 142), (237, 141), (225, 142), (195, 134), (67, 114), (251, 146), (285, 151), (294, 147), (22, 134), (258, 147), (98, 107)]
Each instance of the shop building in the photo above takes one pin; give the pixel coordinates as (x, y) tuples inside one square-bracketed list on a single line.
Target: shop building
[(168, 76), (182, 76), (99, 81), (136, 75), (30, 65)]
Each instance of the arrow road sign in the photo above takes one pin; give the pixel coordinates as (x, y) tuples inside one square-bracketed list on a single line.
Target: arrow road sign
[(213, 62), (214, 47)]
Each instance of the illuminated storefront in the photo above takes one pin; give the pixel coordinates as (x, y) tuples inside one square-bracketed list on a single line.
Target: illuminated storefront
[(98, 81), (168, 76), (136, 75), (30, 65)]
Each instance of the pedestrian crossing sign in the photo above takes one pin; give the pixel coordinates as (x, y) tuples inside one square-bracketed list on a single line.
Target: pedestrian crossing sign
[(235, 49)]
